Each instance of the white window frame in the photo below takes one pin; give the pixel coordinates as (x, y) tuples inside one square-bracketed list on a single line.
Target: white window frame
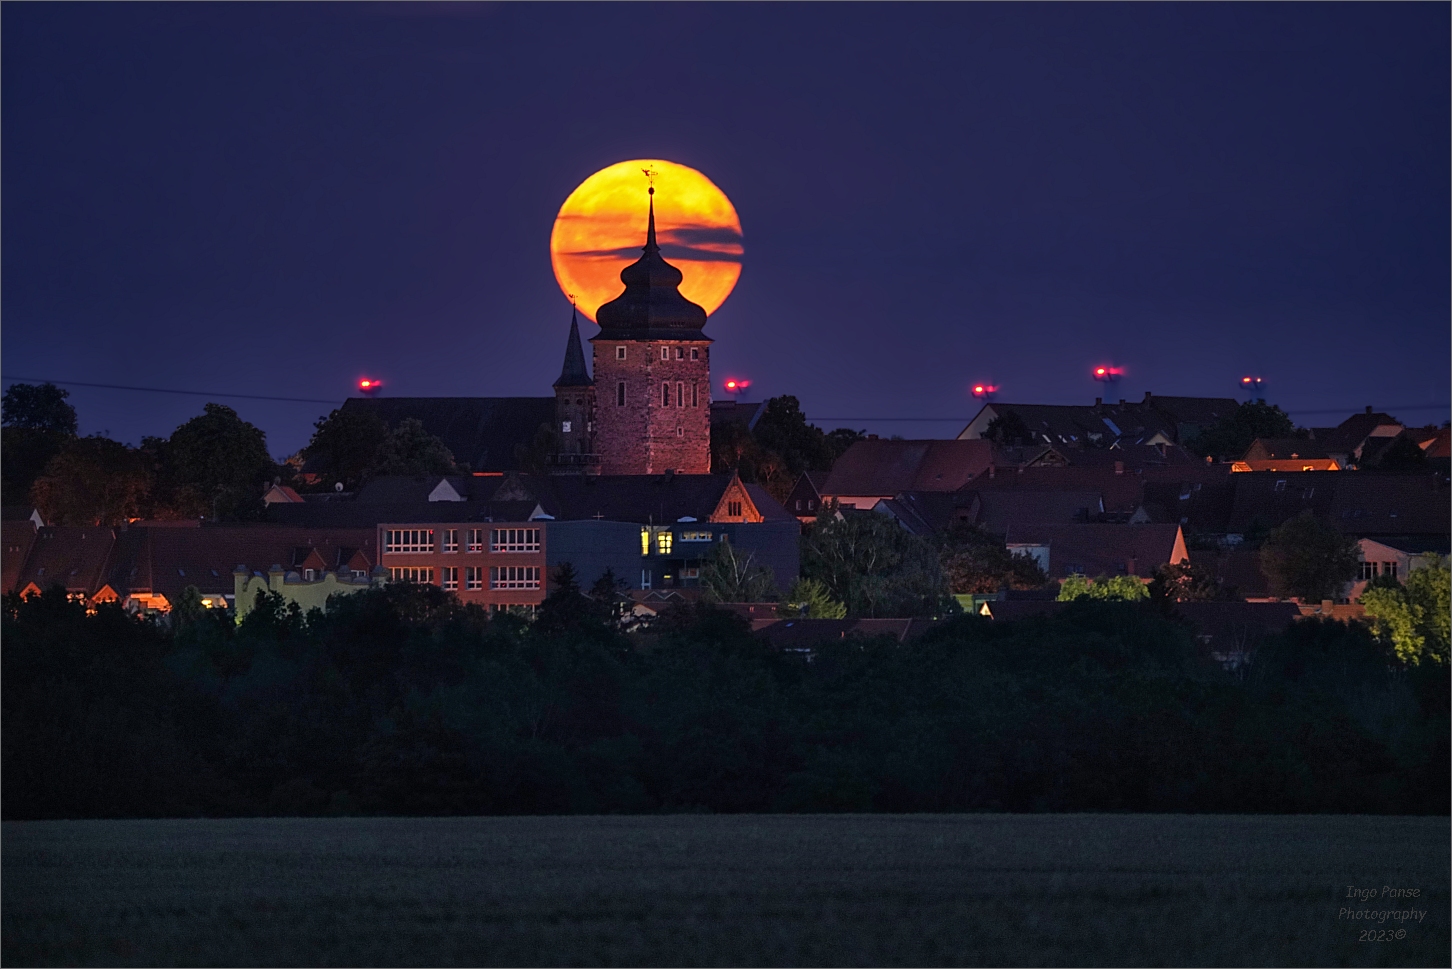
[(450, 578), (512, 540), (451, 540), (514, 576), (407, 541)]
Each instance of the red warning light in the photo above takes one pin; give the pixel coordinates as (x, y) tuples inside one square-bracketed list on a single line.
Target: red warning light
[(984, 390), (733, 385), (369, 385), (1108, 374)]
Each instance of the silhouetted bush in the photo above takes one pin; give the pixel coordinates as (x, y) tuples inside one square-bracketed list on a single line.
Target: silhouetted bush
[(404, 701)]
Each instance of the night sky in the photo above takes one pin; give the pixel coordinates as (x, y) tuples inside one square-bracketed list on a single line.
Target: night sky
[(277, 199)]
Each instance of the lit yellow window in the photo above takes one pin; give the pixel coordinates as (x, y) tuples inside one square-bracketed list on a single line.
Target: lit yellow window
[(645, 541), (663, 543)]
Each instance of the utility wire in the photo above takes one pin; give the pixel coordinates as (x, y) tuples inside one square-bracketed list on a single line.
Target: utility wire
[(165, 390), (317, 400)]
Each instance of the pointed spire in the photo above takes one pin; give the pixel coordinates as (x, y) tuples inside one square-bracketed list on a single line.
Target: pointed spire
[(573, 373), (650, 245)]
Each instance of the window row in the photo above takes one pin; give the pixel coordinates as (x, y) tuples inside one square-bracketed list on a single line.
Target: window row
[(400, 540), (679, 391), (514, 577), (500, 577), (665, 353)]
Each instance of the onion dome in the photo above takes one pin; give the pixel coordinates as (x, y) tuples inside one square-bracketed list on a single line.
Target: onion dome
[(652, 307), (573, 374)]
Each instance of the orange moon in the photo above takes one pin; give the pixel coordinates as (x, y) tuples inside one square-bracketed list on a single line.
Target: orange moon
[(601, 228)]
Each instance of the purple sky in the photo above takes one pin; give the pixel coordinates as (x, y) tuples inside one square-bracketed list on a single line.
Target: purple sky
[(275, 199)]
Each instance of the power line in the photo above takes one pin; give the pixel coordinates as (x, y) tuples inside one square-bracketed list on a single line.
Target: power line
[(166, 390)]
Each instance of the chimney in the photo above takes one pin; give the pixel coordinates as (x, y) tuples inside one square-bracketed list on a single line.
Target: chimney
[(1368, 408), (1119, 467), (1147, 396), (1121, 402), (872, 437), (1098, 401)]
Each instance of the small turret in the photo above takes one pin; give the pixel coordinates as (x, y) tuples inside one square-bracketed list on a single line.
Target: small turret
[(574, 410)]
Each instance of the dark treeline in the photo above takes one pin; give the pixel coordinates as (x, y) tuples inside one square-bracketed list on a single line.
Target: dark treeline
[(402, 701)]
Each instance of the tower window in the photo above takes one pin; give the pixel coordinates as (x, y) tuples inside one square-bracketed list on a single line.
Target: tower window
[(665, 395), (695, 354), (619, 353), (733, 508), (665, 353), (564, 427), (695, 394), (680, 353), (620, 392), (680, 432), (680, 394)]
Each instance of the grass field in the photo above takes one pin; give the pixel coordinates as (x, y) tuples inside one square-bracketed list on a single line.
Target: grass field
[(720, 890)]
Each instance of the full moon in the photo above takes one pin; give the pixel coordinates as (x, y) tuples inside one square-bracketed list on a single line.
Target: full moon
[(601, 229)]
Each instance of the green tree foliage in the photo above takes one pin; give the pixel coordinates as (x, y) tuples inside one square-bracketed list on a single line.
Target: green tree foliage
[(1120, 588), (1414, 618), (975, 562), (1309, 561), (402, 700), (37, 424), (781, 446), (411, 450), (214, 464), (1184, 582), (93, 481), (728, 575), (810, 599), (1231, 436), (345, 445), (874, 565)]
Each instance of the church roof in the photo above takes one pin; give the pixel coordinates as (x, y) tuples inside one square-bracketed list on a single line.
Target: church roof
[(574, 374), (652, 306)]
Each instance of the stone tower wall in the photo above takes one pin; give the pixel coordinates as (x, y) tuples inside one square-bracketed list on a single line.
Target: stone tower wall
[(647, 435), (575, 408)]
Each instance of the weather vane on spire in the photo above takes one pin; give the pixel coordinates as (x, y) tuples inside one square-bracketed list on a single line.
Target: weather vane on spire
[(650, 174)]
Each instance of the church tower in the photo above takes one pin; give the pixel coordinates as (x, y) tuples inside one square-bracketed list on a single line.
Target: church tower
[(575, 410), (652, 372)]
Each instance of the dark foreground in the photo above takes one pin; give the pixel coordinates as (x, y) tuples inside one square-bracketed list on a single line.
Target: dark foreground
[(719, 890)]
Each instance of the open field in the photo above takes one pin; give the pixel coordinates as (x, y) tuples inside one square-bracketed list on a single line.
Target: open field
[(721, 890)]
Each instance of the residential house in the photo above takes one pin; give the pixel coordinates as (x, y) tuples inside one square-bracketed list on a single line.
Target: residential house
[(1101, 549), (1347, 441), (1153, 421), (19, 525), (1285, 454), (806, 496), (874, 469)]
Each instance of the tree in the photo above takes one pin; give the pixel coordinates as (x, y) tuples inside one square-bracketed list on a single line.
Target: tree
[(345, 444), (1231, 436), (37, 424), (1415, 619), (216, 464), (873, 565), (1403, 454), (1183, 582), (731, 576), (411, 450), (534, 457), (1306, 560), (841, 439), (1008, 430), (93, 481), (778, 449), (809, 599), (38, 408), (1120, 588), (975, 562)]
